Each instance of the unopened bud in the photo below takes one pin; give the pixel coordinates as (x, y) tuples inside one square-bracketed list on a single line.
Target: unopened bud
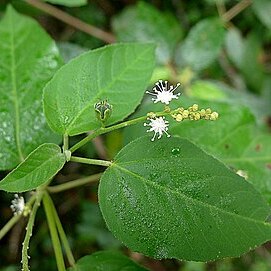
[(103, 110)]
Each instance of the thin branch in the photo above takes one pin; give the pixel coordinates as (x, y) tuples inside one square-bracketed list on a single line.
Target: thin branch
[(54, 234), (72, 21), (73, 184), (29, 230), (235, 10), (62, 234)]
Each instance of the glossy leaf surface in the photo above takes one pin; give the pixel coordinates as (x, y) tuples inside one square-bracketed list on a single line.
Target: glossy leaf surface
[(169, 199), (223, 138), (117, 73), (106, 261), (146, 24), (202, 45), (38, 168), (28, 59)]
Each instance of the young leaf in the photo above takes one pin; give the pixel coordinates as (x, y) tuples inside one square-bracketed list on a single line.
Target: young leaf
[(202, 45), (38, 168), (28, 60), (119, 73), (106, 261), (169, 199), (145, 23)]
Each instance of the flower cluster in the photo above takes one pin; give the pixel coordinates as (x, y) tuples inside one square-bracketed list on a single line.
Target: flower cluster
[(17, 205), (164, 93), (193, 113)]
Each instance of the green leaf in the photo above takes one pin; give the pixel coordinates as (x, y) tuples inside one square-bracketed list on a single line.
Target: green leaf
[(28, 59), (146, 24), (206, 90), (262, 8), (39, 167), (251, 65), (169, 199), (235, 46), (202, 45), (119, 73), (236, 129), (68, 3), (106, 261)]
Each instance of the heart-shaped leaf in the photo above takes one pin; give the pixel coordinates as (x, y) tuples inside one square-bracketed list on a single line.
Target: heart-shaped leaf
[(117, 73), (169, 199), (28, 59), (38, 168)]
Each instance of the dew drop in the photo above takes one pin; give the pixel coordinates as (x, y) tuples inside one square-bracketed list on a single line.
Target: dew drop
[(175, 151)]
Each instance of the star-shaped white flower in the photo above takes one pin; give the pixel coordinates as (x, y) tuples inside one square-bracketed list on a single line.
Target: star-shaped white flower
[(17, 205), (163, 92), (158, 126)]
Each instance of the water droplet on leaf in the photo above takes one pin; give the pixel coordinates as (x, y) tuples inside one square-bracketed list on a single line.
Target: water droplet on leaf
[(175, 151)]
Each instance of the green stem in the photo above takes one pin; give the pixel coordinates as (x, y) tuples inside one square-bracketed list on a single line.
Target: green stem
[(65, 142), (91, 161), (102, 130), (29, 230), (9, 225), (75, 183), (15, 219), (62, 234), (53, 230)]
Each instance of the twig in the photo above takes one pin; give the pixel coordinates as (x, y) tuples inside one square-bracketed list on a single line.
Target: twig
[(75, 183), (73, 21), (235, 10), (220, 7)]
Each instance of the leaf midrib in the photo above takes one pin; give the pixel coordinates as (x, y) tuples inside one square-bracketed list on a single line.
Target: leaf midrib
[(155, 185), (69, 126), (14, 90)]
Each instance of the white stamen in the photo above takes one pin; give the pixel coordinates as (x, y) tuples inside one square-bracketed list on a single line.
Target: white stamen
[(163, 93), (158, 126)]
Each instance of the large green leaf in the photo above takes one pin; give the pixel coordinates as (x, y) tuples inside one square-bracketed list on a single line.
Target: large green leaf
[(262, 8), (202, 45), (145, 23), (38, 168), (235, 137), (106, 261), (28, 59), (68, 3), (119, 73), (169, 199)]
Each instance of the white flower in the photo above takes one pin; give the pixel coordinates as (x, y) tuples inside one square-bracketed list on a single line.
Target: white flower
[(158, 126), (163, 93), (17, 205)]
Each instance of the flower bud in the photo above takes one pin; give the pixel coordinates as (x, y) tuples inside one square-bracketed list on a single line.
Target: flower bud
[(103, 110)]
